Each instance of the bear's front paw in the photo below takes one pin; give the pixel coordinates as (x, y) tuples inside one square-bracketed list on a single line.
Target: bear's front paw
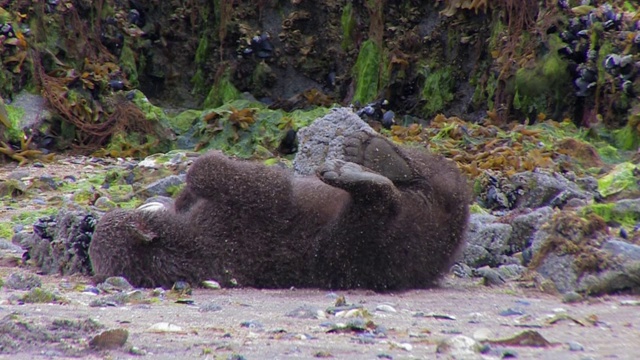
[(348, 175)]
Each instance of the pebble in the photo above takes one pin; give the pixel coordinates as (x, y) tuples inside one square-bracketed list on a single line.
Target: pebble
[(482, 334), (91, 290), (571, 297), (512, 312), (386, 308), (164, 327), (307, 312), (105, 204), (209, 307), (575, 346), (211, 284), (630, 302), (251, 324)]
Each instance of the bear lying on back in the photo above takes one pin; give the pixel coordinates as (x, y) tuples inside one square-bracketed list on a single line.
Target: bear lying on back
[(384, 218)]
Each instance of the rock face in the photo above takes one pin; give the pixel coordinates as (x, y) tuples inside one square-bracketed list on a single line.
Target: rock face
[(376, 216)]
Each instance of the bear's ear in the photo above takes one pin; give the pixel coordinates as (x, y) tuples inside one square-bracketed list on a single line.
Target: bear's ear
[(140, 233)]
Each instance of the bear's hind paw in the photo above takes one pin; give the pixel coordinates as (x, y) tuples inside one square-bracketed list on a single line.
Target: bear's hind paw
[(350, 176)]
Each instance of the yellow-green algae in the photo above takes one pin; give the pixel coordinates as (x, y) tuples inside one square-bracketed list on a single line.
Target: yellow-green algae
[(6, 230), (613, 212), (222, 92), (14, 132), (621, 178), (367, 72)]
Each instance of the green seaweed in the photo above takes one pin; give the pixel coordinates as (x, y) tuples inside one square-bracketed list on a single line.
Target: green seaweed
[(627, 138), (223, 91), (202, 53), (348, 22), (14, 132), (438, 88), (6, 230), (546, 80), (261, 137), (184, 121), (367, 72), (30, 217), (128, 64), (38, 296)]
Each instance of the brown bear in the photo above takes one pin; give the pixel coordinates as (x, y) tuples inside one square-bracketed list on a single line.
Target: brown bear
[(383, 218)]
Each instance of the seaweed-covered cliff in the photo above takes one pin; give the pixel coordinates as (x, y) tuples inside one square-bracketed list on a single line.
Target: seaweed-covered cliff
[(481, 61)]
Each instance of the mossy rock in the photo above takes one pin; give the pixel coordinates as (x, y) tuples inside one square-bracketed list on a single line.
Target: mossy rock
[(622, 179)]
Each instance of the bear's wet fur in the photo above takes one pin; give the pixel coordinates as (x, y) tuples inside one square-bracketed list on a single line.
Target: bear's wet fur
[(387, 218)]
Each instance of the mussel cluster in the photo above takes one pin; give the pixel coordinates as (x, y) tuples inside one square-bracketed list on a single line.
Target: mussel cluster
[(377, 111), (612, 25), (260, 46), (7, 31)]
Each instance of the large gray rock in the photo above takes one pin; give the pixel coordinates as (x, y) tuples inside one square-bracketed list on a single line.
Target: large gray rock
[(163, 186), (325, 138), (487, 241), (525, 226), (623, 274), (547, 189), (560, 270)]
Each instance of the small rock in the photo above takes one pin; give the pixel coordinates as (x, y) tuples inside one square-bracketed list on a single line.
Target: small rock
[(307, 312), (115, 283), (134, 350), (386, 308), (512, 312), (23, 281), (403, 346), (164, 327), (211, 284), (575, 346), (458, 346), (105, 204), (490, 277), (630, 302), (571, 297), (251, 324), (482, 334), (110, 339), (209, 307)]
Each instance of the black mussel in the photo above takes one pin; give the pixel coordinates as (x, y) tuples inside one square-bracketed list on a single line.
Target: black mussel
[(133, 16), (388, 119), (563, 4), (7, 30), (289, 143), (627, 87), (567, 36), (612, 61), (116, 85), (583, 34), (584, 88)]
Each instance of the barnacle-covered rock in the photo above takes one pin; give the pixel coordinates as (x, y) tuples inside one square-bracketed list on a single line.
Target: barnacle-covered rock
[(60, 244)]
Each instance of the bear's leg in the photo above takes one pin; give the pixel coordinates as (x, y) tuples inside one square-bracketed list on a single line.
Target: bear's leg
[(377, 154), (217, 177), (360, 182)]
